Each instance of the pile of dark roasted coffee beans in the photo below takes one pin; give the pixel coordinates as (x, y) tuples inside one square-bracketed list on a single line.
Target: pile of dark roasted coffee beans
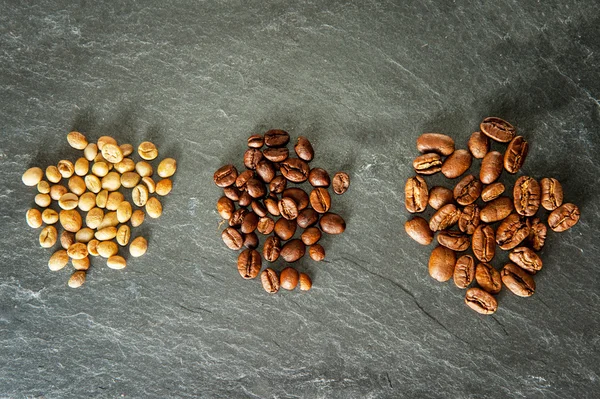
[(485, 218), (267, 204)]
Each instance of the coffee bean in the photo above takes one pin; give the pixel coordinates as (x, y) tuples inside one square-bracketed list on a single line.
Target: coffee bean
[(272, 248), (440, 196), (252, 157), (480, 301), (82, 167), (305, 282), (146, 150), (77, 140), (233, 193), (469, 219), (167, 167), (243, 178), (66, 239), (265, 225), (276, 154), (276, 138), (445, 217), (491, 167), (265, 170), (552, 193), (441, 263), (295, 170), (225, 176), (48, 237), (245, 199), (457, 164), (527, 196), (285, 228), (467, 190), (427, 164), (512, 231), (237, 217), (137, 247), (316, 252), (319, 177), (464, 271), (418, 229), (71, 220), (34, 218), (537, 233), (435, 142), (479, 145), (341, 182), (249, 222), (250, 240), (287, 208), (483, 244), (320, 200), (526, 259), (416, 194), (58, 260), (492, 192), (304, 149), (278, 184), (488, 278), (497, 129), (496, 210), (256, 141), (564, 217), (249, 263), (259, 208), (332, 223), (298, 195), (293, 250), (307, 217), (288, 279), (311, 236), (454, 240), (515, 154), (517, 280), (270, 280), (106, 249), (256, 188)]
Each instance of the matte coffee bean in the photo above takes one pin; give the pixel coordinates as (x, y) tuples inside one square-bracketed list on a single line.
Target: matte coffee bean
[(512, 231), (256, 141), (497, 129), (237, 217), (445, 217), (265, 225), (307, 217), (259, 208), (527, 196), (319, 177), (441, 263), (272, 248), (276, 154), (316, 252), (332, 223), (518, 281), (483, 243), (440, 196), (416, 194), (341, 183), (469, 219), (245, 199), (287, 208), (492, 192), (265, 170), (320, 200), (272, 206), (564, 217), (276, 138), (418, 229), (295, 170), (249, 222), (479, 145), (467, 190), (454, 240), (232, 192), (457, 164), (427, 164), (515, 154), (526, 259), (232, 238), (278, 184), (491, 167), (552, 193), (250, 240), (481, 301), (225, 176), (255, 188), (304, 149), (488, 278), (269, 280), (435, 142), (464, 271), (537, 233), (285, 229), (311, 236), (243, 178), (496, 210), (249, 263), (288, 279), (293, 250), (298, 195)]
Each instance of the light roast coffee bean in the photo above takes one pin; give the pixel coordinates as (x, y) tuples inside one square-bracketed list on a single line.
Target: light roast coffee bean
[(445, 217), (276, 138), (497, 129), (293, 250), (416, 194), (526, 259), (496, 210), (492, 192), (491, 167), (481, 301), (225, 176), (512, 231), (483, 243), (249, 263), (320, 200), (526, 194), (418, 229), (269, 280), (295, 170), (232, 238), (272, 249), (457, 164), (304, 149), (515, 154), (332, 223), (552, 193), (537, 233), (435, 142), (428, 164), (316, 252), (564, 217), (467, 190), (488, 278), (319, 177), (479, 145), (464, 271), (441, 263), (517, 280), (454, 240), (341, 182)]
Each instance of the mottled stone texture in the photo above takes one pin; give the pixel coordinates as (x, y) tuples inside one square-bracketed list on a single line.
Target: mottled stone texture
[(361, 79)]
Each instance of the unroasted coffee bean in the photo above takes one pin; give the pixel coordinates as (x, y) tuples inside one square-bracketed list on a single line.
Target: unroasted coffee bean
[(435, 142), (256, 141), (288, 279), (492, 192), (441, 263), (457, 164), (252, 157), (34, 218), (418, 229), (467, 190), (488, 278), (250, 240), (287, 208), (517, 280), (278, 184), (319, 177), (527, 196), (272, 248), (440, 196), (311, 236), (272, 206), (285, 229), (242, 179), (320, 200), (259, 208), (225, 207), (454, 240), (276, 154), (552, 193), (58, 260), (497, 129), (295, 170), (479, 145), (483, 243), (298, 195), (491, 167), (464, 271), (316, 252), (249, 263), (416, 194), (564, 217), (469, 219), (428, 164), (481, 301), (293, 250), (307, 217), (515, 154), (496, 210), (245, 199), (332, 223), (276, 138), (341, 182), (249, 222), (265, 225), (225, 176), (48, 237), (70, 220), (237, 217), (304, 149), (32, 176), (445, 217), (526, 259), (512, 231), (255, 188), (232, 238), (537, 233), (270, 280), (66, 239), (265, 170)]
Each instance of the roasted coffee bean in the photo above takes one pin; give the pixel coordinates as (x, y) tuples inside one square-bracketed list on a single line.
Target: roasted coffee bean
[(270, 280), (249, 263), (491, 167), (418, 229), (457, 164), (526, 194), (237, 217), (441, 263), (454, 240), (416, 194), (259, 208), (288, 279), (272, 206), (537, 233), (481, 301), (512, 231), (293, 250), (316, 252), (492, 192), (464, 271), (496, 210), (552, 193), (517, 280), (256, 188), (272, 248), (225, 176), (319, 177), (256, 141), (243, 178), (320, 200), (305, 282), (564, 217), (225, 207), (445, 217), (307, 217), (249, 222), (298, 195), (265, 170), (311, 236), (295, 170), (497, 129), (428, 164), (245, 199), (285, 228), (287, 208), (278, 184), (526, 259), (440, 196), (483, 243), (332, 223), (265, 225), (232, 192), (488, 278), (469, 219), (251, 240), (467, 190), (435, 142), (515, 154), (276, 154), (304, 149), (479, 145), (232, 238), (341, 182), (276, 138)]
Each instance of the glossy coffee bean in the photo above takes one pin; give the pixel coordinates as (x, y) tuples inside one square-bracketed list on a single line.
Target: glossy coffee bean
[(512, 231), (307, 217), (225, 207), (527, 196), (457, 164), (481, 301), (276, 154), (294, 169), (243, 178), (496, 210), (251, 241), (445, 217), (272, 248), (564, 217), (427, 164), (416, 194), (552, 193), (467, 190), (319, 177), (526, 259), (272, 206), (288, 279), (341, 183), (464, 271), (232, 192), (278, 184), (232, 238), (256, 188), (237, 217), (492, 192), (276, 138), (454, 240), (435, 142), (488, 278), (497, 129), (491, 167), (225, 176), (440, 196), (252, 157), (265, 170), (287, 208), (515, 154), (304, 149), (517, 280), (479, 145), (245, 199), (270, 280), (293, 250), (332, 223), (441, 263), (537, 233), (418, 229), (298, 195), (483, 243), (259, 208), (265, 225), (256, 141), (285, 229), (305, 282), (469, 219), (320, 200), (316, 252), (249, 222), (311, 236), (249, 263)]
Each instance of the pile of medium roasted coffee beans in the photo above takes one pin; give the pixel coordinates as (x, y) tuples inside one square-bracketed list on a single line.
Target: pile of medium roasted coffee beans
[(518, 229), (93, 184), (277, 208)]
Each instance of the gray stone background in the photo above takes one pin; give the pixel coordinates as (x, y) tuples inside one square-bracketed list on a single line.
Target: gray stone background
[(360, 79)]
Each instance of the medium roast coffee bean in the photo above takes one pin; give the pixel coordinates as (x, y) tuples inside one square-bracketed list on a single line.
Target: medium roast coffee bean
[(467, 190), (249, 222), (512, 231), (287, 208), (293, 250), (454, 240), (245, 199), (311, 236), (416, 194), (285, 228), (278, 184), (316, 252), (304, 149), (497, 129), (441, 263), (440, 196), (232, 238), (276, 154), (237, 217), (479, 145), (320, 200), (251, 240), (276, 138), (445, 217), (332, 223), (341, 182), (526, 194), (428, 164), (483, 243), (464, 271), (259, 208), (469, 219), (232, 192), (256, 141), (435, 142), (496, 210), (517, 280), (481, 301), (270, 280), (272, 206), (243, 178), (515, 154), (272, 248), (265, 225), (288, 279), (307, 217), (305, 282), (265, 170), (488, 278), (526, 259), (552, 193), (252, 157), (564, 217), (225, 176), (249, 263), (295, 170), (491, 167), (457, 164), (319, 177), (418, 229), (298, 195), (492, 192), (256, 188), (537, 233)]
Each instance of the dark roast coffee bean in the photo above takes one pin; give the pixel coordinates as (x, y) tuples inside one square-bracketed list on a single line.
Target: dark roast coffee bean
[(276, 154), (428, 164), (265, 225), (272, 206), (294, 169), (304, 149), (288, 279), (440, 196), (259, 208), (293, 250), (341, 182), (537, 233), (435, 142), (491, 167), (497, 129), (225, 176), (496, 210), (526, 259), (467, 190), (564, 217), (232, 192), (319, 177), (515, 154), (272, 248), (527, 196), (285, 229), (320, 200), (249, 222), (245, 199), (249, 263), (243, 178), (276, 138), (256, 141), (511, 232), (517, 280), (552, 193), (278, 184), (252, 157), (481, 301), (225, 207), (311, 236), (265, 170), (488, 278), (464, 271), (270, 280), (232, 238), (237, 217), (441, 263), (454, 240), (445, 217), (287, 208), (457, 164), (307, 217), (316, 252), (416, 194), (492, 192), (418, 229), (298, 195), (256, 188), (469, 219), (251, 240), (483, 243), (332, 223), (479, 145)]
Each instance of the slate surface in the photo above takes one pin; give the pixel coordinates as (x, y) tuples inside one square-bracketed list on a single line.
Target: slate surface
[(362, 80)]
